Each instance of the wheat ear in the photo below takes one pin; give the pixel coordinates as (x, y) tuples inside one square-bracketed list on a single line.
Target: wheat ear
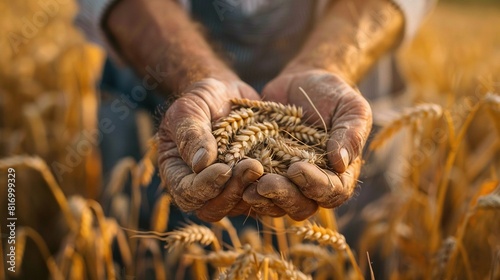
[(190, 234), (287, 269), (243, 266), (271, 165), (408, 118), (322, 235), (290, 152), (247, 138), (226, 127), (309, 135)]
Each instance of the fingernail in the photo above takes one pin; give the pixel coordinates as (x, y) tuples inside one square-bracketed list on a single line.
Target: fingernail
[(250, 175), (198, 156), (221, 179), (345, 157), (299, 179)]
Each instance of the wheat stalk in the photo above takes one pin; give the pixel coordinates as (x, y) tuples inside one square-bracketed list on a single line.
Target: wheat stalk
[(23, 233), (40, 165), (251, 236), (220, 258), (161, 211)]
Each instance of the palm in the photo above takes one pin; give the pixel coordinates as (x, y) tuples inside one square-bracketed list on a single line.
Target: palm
[(187, 151), (347, 117)]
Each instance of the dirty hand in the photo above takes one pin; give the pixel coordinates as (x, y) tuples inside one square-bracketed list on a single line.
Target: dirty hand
[(187, 152), (348, 119)]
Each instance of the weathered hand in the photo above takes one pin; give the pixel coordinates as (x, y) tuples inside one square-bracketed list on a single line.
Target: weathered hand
[(348, 119), (187, 152)]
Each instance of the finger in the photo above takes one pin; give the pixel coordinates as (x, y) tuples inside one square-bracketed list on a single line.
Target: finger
[(242, 208), (244, 173), (196, 189), (190, 191), (342, 108), (189, 118), (328, 189), (350, 126), (261, 205), (287, 196), (188, 122)]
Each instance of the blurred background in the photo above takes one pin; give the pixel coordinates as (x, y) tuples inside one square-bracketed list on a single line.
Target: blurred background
[(72, 206)]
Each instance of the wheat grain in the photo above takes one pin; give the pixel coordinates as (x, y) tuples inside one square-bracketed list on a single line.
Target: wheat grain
[(309, 135), (265, 156), (291, 152), (285, 115), (248, 138), (224, 129)]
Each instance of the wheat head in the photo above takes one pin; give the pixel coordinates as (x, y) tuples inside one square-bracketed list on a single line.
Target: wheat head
[(322, 235), (188, 235)]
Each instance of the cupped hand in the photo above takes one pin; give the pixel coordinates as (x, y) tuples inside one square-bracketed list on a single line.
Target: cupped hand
[(348, 119), (187, 152)]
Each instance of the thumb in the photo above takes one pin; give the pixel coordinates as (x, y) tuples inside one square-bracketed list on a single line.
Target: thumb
[(350, 126), (188, 123)]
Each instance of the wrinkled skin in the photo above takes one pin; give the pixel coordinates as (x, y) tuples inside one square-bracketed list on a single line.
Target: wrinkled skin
[(214, 190), (187, 151), (348, 118)]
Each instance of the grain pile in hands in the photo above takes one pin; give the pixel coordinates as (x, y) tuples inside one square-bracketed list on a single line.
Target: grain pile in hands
[(270, 132)]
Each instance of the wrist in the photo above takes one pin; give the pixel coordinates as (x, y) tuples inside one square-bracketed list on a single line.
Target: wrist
[(348, 44), (306, 66), (159, 40), (201, 69)]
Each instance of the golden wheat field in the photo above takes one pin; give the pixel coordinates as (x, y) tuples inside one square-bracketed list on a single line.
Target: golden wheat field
[(439, 146)]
